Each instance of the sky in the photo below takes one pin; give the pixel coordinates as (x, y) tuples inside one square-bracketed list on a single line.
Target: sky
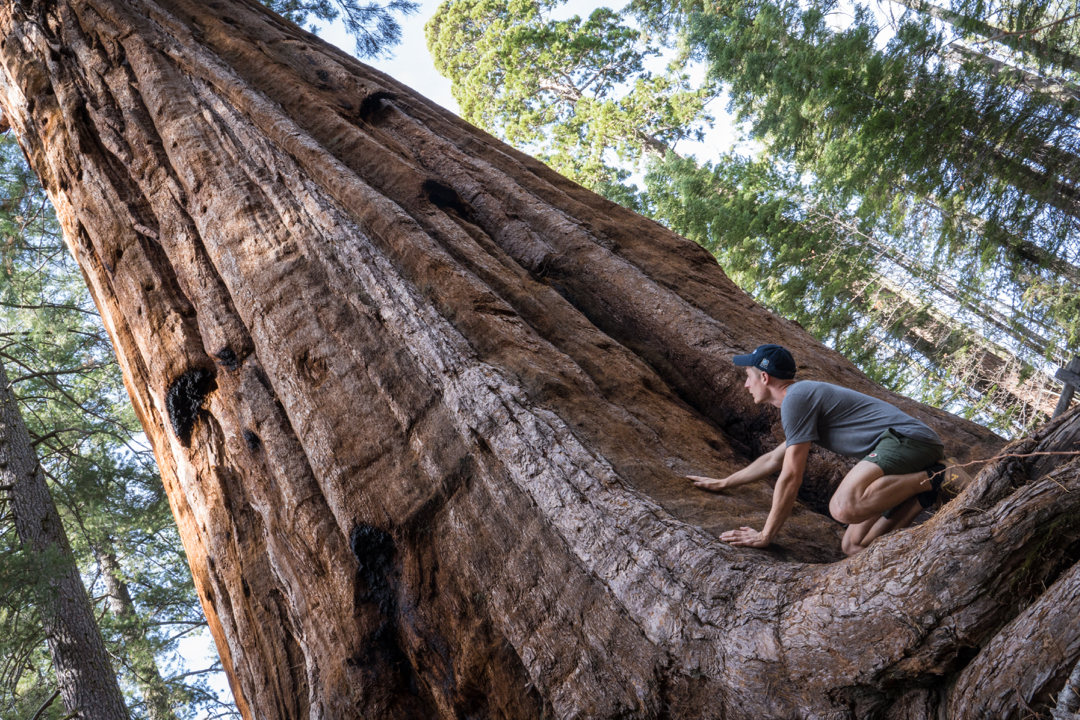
[(412, 65)]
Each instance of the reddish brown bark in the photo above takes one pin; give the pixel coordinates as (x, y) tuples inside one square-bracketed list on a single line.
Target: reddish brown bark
[(432, 404)]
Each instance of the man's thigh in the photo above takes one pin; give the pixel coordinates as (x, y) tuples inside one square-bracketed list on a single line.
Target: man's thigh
[(900, 455), (849, 494), (859, 477)]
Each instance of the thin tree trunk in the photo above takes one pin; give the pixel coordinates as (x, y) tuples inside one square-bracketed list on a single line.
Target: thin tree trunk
[(86, 679), (939, 339), (1063, 94), (143, 665), (1039, 50), (1042, 186), (423, 408), (993, 370), (1026, 250)]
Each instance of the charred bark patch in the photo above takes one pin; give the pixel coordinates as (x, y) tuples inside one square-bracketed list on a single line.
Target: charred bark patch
[(374, 551), (445, 197), (252, 440), (227, 359), (553, 271), (381, 652), (372, 108), (184, 401)]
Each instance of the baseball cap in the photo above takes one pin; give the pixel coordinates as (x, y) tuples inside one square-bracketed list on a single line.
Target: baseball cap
[(773, 359)]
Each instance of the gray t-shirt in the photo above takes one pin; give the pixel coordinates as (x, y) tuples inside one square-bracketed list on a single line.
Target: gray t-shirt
[(844, 421)]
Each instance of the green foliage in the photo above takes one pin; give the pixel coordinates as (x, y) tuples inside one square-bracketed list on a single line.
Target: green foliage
[(374, 26), (986, 166), (577, 91), (874, 122)]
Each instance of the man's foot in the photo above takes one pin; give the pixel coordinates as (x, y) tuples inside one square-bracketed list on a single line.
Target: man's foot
[(936, 475)]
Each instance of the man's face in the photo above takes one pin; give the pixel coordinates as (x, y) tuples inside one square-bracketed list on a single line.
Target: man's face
[(756, 385)]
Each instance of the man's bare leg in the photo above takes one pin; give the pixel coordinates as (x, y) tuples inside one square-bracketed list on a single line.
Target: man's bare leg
[(866, 492), (858, 536)]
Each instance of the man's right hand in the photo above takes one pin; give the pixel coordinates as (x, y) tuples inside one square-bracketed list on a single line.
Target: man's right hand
[(706, 483)]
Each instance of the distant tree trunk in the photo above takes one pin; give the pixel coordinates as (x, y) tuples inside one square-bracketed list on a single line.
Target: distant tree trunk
[(1020, 41), (143, 665), (84, 674), (423, 408), (1063, 93)]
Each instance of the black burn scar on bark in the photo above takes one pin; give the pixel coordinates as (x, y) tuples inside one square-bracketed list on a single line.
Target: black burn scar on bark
[(184, 400), (252, 440), (374, 552), (372, 109), (445, 197), (375, 555), (227, 359)]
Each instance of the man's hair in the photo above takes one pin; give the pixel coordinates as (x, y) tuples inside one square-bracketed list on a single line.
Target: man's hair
[(780, 382)]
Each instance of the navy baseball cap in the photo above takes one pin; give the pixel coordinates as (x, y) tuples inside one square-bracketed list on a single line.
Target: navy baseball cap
[(773, 359)]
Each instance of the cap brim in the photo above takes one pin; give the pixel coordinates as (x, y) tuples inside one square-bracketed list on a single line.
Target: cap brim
[(744, 360)]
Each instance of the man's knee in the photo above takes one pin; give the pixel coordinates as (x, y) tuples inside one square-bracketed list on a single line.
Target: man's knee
[(844, 510), (850, 547)]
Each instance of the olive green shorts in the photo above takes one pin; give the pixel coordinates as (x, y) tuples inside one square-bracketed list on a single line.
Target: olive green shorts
[(896, 454)]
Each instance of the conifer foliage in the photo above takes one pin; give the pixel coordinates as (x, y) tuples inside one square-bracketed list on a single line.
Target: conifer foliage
[(914, 201)]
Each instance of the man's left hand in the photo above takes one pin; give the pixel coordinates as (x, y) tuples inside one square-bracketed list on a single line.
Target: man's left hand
[(745, 537)]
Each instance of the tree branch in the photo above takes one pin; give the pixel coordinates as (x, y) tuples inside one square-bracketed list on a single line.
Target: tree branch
[(48, 306), (1068, 702), (216, 667), (46, 704), (1021, 33), (54, 433), (56, 373)]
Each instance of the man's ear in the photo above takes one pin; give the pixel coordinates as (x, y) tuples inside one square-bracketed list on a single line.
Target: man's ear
[(765, 377)]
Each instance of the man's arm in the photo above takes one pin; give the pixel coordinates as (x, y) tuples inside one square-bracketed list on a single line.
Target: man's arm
[(784, 494), (769, 463)]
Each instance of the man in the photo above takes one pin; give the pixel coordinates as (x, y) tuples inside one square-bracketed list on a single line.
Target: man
[(898, 475)]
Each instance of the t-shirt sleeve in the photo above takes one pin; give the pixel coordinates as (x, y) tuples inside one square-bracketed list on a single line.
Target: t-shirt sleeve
[(799, 416)]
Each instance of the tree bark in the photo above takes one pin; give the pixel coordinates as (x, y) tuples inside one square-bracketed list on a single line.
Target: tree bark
[(144, 667), (423, 407), (84, 674)]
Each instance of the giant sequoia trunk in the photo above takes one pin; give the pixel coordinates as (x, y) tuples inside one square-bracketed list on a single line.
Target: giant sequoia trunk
[(423, 408)]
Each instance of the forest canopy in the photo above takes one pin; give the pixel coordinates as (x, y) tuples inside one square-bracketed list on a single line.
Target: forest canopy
[(914, 199)]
